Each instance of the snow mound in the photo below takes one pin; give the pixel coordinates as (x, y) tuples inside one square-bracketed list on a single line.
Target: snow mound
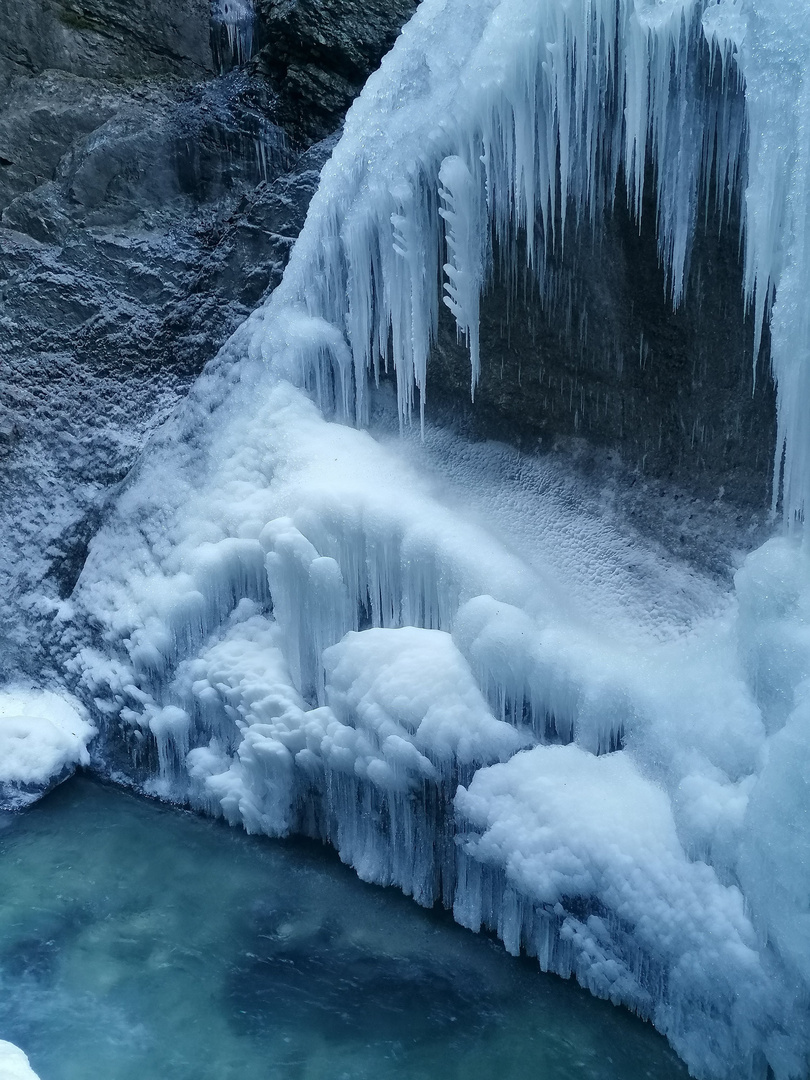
[(43, 737), (413, 686), (577, 859)]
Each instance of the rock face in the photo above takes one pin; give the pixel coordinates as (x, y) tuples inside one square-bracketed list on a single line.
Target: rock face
[(609, 361), (109, 39), (319, 53), (147, 203)]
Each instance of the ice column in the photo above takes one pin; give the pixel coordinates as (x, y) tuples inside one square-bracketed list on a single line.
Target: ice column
[(237, 18)]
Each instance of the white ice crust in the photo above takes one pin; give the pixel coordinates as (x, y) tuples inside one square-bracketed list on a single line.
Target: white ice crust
[(14, 1064), (42, 735), (478, 691)]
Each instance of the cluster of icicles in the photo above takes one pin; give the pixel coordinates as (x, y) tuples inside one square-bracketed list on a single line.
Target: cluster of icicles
[(495, 120), (238, 17)]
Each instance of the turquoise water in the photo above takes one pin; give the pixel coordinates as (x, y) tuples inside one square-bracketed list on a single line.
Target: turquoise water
[(137, 941)]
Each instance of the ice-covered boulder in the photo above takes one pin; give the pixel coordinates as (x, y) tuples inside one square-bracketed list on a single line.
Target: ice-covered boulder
[(43, 737)]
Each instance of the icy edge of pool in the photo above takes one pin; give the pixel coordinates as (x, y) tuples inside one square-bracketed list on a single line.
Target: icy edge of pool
[(43, 738)]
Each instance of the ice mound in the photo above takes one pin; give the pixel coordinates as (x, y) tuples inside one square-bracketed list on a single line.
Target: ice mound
[(43, 737), (577, 860), (14, 1064), (774, 867), (412, 686), (332, 643), (372, 771)]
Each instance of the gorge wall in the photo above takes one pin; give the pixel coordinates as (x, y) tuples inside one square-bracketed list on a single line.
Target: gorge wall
[(148, 200)]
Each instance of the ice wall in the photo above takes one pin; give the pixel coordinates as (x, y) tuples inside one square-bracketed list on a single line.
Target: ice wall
[(306, 626), (502, 131), (296, 629)]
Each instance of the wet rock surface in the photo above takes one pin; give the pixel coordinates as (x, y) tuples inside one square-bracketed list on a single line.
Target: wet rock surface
[(608, 362)]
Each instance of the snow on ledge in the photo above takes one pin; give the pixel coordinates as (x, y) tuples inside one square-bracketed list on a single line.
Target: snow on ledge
[(43, 737)]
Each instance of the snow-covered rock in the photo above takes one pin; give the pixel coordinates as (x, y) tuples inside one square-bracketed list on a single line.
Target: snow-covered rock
[(43, 737)]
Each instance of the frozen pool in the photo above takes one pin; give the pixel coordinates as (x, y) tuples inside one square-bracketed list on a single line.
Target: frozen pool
[(137, 941)]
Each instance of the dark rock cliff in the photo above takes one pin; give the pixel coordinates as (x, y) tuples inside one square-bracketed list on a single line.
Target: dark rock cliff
[(607, 362), (148, 200), (319, 54)]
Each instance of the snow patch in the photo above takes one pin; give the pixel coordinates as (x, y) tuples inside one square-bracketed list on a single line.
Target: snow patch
[(43, 737)]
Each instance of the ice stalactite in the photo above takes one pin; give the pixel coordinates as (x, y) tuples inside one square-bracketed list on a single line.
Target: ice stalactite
[(237, 18), (507, 131)]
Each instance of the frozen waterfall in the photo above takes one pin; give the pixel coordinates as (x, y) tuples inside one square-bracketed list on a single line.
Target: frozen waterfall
[(236, 17), (303, 621)]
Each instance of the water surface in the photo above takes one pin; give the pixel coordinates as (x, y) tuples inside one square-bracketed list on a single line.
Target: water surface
[(138, 942)]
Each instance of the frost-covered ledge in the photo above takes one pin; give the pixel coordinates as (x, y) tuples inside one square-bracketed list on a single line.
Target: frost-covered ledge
[(43, 738)]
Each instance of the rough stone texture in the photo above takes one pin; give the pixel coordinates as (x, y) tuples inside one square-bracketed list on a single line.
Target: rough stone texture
[(99, 336), (153, 156), (319, 53), (106, 39), (607, 360), (146, 206)]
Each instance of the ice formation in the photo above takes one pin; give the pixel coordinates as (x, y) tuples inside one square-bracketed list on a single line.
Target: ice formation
[(306, 626), (237, 17), (43, 737), (14, 1064)]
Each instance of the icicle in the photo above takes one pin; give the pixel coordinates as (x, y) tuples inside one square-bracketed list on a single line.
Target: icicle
[(465, 235), (237, 16)]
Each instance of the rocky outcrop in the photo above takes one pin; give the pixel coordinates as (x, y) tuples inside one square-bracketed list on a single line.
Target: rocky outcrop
[(147, 204), (319, 53), (114, 40)]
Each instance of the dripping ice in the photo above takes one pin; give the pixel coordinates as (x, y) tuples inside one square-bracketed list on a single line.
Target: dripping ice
[(237, 17), (302, 625)]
